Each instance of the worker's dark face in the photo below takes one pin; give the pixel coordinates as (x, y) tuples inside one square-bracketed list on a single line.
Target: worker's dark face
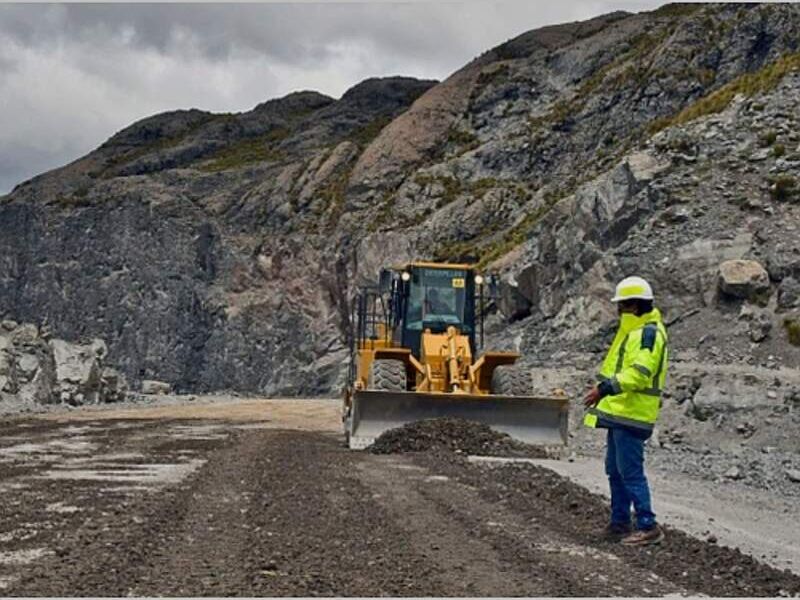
[(627, 306)]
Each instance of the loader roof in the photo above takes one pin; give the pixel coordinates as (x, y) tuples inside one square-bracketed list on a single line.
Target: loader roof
[(437, 265)]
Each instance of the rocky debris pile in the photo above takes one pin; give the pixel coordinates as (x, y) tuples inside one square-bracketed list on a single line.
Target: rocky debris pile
[(546, 497), (764, 469), (455, 435), (38, 370)]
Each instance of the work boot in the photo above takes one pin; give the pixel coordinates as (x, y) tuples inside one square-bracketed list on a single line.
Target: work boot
[(616, 531), (644, 537)]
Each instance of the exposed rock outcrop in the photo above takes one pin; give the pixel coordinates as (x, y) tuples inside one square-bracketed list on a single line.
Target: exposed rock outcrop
[(221, 251), (36, 370)]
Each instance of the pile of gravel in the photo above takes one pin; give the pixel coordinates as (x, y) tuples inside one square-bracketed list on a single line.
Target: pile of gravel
[(455, 435)]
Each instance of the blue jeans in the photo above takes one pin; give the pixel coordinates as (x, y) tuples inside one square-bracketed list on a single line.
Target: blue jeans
[(625, 470)]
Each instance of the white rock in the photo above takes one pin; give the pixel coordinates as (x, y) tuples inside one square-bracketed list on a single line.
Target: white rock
[(152, 386), (28, 363), (733, 473), (644, 166)]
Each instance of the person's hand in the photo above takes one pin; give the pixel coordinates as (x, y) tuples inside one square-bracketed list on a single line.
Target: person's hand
[(592, 397)]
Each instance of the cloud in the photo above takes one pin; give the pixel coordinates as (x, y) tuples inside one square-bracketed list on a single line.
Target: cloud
[(71, 75)]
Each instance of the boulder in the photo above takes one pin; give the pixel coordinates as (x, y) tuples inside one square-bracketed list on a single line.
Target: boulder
[(152, 386), (7, 371), (40, 388), (789, 293), (760, 326), (733, 473), (782, 259), (25, 334), (78, 370), (113, 385), (28, 364), (743, 279)]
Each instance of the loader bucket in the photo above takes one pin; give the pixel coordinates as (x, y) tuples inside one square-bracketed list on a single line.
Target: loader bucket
[(541, 421)]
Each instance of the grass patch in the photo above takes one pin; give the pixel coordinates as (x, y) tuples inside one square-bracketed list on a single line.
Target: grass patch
[(384, 212), (498, 75), (641, 47), (783, 187), (517, 234), (778, 150), (749, 84), (247, 152), (768, 138), (792, 327), (463, 140), (160, 144), (676, 9), (451, 187), (333, 195)]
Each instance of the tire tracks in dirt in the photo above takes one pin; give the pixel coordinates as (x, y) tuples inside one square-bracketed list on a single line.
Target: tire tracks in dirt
[(288, 513), (491, 550), (576, 516)]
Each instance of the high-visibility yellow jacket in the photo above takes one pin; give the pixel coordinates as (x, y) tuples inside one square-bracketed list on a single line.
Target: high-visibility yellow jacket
[(633, 374)]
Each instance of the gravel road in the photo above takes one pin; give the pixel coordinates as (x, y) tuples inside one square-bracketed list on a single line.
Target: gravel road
[(212, 504)]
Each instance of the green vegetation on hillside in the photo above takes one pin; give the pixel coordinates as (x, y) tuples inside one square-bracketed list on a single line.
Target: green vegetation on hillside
[(792, 327), (749, 84), (158, 145), (677, 9), (517, 234), (366, 133), (247, 152), (783, 187), (641, 47)]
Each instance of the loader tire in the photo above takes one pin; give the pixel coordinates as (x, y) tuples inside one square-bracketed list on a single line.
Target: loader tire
[(508, 380), (387, 375)]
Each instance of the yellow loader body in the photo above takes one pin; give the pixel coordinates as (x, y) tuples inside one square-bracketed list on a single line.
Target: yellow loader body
[(417, 362)]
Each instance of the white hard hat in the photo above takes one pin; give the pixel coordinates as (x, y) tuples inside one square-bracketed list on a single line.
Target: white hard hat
[(632, 288)]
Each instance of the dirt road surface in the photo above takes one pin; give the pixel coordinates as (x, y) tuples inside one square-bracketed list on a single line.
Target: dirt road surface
[(260, 498)]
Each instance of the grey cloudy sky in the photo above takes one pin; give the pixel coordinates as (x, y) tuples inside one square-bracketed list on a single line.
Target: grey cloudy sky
[(71, 75)]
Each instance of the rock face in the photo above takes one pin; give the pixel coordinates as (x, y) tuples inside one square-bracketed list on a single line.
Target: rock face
[(221, 251), (37, 370)]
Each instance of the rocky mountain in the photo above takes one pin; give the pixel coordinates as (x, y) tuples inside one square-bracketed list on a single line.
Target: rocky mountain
[(220, 251)]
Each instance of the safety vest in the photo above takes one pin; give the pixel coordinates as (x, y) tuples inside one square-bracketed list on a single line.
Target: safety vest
[(635, 369)]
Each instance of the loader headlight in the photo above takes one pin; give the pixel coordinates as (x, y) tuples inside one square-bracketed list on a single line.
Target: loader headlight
[(405, 275), (479, 279)]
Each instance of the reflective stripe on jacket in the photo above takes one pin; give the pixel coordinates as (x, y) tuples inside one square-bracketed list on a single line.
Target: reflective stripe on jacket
[(633, 374)]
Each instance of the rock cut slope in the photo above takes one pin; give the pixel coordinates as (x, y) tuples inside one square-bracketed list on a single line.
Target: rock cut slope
[(220, 251)]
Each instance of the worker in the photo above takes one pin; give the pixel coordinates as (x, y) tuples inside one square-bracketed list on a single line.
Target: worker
[(626, 401)]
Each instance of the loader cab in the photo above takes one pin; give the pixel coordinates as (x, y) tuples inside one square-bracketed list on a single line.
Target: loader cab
[(434, 296)]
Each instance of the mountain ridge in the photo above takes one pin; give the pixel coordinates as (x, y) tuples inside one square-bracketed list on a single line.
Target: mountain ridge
[(220, 251)]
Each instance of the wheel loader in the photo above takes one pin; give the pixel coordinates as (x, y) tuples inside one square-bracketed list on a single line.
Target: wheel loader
[(414, 356)]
